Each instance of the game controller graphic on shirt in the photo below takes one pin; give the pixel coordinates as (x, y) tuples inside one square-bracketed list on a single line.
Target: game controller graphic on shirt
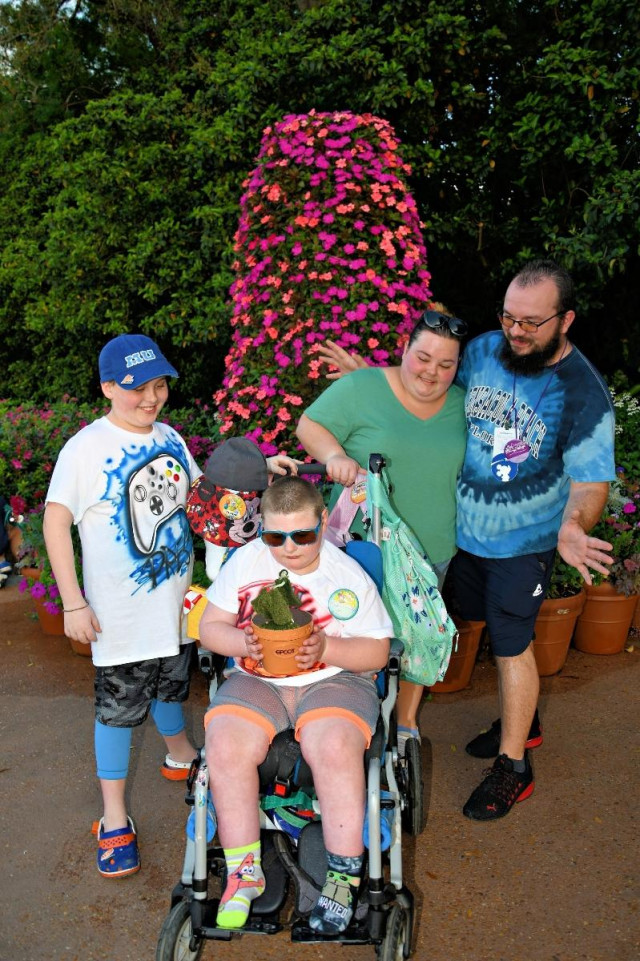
[(156, 492)]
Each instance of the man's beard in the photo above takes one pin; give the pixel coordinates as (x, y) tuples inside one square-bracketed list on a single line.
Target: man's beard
[(531, 363)]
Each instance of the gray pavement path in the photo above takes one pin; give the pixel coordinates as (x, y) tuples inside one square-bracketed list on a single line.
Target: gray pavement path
[(557, 880)]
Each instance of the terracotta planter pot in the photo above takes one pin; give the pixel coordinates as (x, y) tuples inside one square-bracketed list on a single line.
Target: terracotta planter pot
[(279, 648), (554, 629), (84, 650), (463, 659), (49, 623), (603, 626), (52, 624)]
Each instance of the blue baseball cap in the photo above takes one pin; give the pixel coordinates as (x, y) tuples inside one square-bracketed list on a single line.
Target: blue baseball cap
[(131, 360)]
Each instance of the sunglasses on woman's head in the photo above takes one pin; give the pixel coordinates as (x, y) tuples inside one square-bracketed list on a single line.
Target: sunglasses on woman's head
[(434, 320), (301, 537)]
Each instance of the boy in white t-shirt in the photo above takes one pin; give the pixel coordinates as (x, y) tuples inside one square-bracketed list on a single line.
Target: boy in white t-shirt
[(123, 480), (333, 707)]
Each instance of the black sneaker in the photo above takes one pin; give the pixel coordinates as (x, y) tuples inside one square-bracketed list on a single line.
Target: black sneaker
[(487, 744), (501, 788)]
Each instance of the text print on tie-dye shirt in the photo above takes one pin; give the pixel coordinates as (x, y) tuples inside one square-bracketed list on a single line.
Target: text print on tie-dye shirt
[(151, 523), (495, 406)]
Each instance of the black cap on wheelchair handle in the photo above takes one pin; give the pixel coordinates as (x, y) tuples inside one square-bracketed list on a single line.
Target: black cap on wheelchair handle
[(376, 463), (312, 469)]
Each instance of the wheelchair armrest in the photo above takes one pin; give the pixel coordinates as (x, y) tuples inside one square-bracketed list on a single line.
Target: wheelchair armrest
[(395, 654), (206, 662)]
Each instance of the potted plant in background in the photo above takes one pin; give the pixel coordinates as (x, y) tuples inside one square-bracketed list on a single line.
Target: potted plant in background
[(557, 617), (280, 625), (603, 625)]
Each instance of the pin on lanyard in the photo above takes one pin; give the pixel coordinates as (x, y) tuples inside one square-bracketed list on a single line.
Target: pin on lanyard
[(518, 449)]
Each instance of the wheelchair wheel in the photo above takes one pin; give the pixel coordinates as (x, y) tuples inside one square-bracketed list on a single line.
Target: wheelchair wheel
[(413, 815), (175, 936), (396, 945)]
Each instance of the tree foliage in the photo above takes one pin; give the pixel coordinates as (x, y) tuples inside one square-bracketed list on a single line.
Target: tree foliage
[(128, 126)]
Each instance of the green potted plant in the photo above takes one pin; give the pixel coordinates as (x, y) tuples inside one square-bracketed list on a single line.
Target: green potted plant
[(280, 625)]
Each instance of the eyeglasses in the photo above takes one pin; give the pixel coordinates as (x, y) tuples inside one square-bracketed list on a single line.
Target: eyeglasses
[(434, 320), (529, 326), (302, 537)]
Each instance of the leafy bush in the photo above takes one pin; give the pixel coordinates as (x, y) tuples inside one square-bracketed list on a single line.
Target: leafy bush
[(31, 438), (620, 525), (627, 411)]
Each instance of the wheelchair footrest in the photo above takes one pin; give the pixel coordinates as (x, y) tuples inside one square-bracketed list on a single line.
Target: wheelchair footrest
[(356, 933), (312, 855)]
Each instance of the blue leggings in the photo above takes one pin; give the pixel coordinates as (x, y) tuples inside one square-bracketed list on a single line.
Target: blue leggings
[(113, 744)]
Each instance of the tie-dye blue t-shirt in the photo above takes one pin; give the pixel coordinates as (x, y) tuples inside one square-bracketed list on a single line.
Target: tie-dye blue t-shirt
[(513, 505)]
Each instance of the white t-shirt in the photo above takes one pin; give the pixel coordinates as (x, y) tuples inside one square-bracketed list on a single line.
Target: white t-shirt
[(127, 494), (341, 597)]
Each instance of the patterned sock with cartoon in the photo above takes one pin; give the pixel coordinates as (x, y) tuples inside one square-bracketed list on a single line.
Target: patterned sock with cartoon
[(245, 881), (335, 906)]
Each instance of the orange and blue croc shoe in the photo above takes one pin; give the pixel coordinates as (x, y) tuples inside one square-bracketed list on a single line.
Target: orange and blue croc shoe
[(118, 853)]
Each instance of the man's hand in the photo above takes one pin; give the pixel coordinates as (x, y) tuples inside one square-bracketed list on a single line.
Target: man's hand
[(581, 551), (330, 353)]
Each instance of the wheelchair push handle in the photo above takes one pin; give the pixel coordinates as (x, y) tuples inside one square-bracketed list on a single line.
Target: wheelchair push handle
[(376, 466), (313, 468)]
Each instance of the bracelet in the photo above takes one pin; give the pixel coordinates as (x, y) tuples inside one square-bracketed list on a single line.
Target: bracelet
[(72, 610)]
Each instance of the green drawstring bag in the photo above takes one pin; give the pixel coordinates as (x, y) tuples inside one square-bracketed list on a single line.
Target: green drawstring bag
[(410, 593)]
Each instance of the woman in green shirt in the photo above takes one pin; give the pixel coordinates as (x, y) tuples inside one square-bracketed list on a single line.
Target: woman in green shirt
[(413, 415)]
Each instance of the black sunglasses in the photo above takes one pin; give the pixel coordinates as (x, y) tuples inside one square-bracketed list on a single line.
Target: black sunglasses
[(434, 320)]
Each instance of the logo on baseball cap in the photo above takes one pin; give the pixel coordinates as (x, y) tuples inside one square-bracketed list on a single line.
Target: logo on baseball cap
[(133, 359)]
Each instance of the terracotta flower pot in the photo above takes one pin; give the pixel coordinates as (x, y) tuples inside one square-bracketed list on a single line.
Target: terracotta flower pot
[(554, 629), (603, 626), (463, 659), (52, 624), (49, 623), (279, 648)]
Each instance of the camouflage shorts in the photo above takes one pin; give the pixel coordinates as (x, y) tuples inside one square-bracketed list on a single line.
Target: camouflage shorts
[(124, 692)]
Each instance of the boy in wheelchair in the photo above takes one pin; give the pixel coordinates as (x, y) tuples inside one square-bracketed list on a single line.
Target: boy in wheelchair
[(332, 705)]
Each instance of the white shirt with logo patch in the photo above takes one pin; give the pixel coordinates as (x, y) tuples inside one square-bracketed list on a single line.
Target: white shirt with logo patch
[(341, 597)]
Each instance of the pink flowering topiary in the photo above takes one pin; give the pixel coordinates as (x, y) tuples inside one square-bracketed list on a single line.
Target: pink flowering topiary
[(329, 246)]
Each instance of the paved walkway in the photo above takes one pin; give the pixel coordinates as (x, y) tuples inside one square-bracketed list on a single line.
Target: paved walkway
[(557, 880)]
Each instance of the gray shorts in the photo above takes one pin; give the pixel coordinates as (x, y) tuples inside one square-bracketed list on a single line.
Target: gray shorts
[(124, 692), (276, 707)]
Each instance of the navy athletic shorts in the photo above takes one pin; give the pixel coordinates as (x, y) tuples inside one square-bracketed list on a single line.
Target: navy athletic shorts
[(506, 592)]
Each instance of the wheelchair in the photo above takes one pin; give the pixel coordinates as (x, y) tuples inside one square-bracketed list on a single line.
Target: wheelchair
[(294, 858)]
